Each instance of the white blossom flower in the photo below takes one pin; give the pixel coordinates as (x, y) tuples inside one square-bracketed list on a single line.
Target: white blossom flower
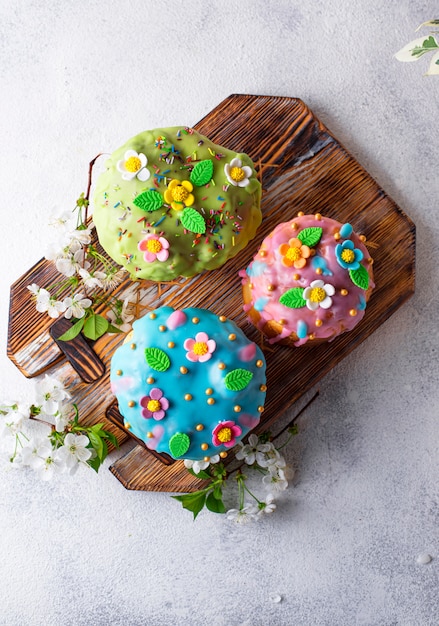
[(75, 307), (112, 280), (30, 452), (34, 289), (81, 235), (91, 280), (49, 393), (268, 505), (63, 416), (275, 480), (74, 451), (65, 220), (46, 461), (14, 420), (254, 451), (242, 516), (133, 165), (46, 303)]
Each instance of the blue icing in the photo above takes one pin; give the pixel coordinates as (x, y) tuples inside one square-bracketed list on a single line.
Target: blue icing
[(260, 303), (302, 329), (318, 262), (130, 371), (257, 268), (362, 303), (346, 231)]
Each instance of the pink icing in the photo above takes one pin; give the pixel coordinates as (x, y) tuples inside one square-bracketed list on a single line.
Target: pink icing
[(337, 318), (248, 421), (176, 319), (247, 353)]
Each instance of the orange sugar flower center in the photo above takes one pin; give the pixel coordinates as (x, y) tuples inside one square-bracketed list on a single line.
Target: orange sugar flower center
[(200, 348), (154, 245), (225, 434), (237, 174), (133, 164)]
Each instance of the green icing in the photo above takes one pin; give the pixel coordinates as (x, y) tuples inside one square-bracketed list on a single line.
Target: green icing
[(125, 210), (157, 359), (238, 379), (202, 173), (293, 298), (179, 444)]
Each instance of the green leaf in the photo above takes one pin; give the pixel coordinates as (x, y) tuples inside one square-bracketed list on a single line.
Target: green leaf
[(192, 501), (157, 359), (179, 444), (215, 505), (201, 474), (360, 277), (202, 173), (310, 236), (238, 379), (94, 463), (95, 326), (73, 331), (193, 221), (149, 201), (98, 444), (113, 329), (218, 491), (293, 298)]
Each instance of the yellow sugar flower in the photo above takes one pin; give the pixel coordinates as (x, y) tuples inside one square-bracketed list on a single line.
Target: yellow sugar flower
[(178, 194)]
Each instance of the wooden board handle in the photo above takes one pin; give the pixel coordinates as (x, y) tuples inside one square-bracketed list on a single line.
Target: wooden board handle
[(78, 352)]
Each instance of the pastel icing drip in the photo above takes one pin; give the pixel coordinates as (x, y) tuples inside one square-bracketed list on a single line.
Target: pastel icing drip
[(322, 298), (193, 407), (168, 206)]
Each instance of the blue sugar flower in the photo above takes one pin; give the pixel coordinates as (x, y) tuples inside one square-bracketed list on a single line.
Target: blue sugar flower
[(348, 256)]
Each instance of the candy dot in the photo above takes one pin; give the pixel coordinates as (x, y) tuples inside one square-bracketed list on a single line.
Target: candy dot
[(319, 322), (263, 388), (344, 292), (312, 336), (171, 344), (318, 216), (209, 391), (294, 225), (296, 276), (204, 446), (363, 238), (211, 401), (131, 403), (188, 397), (195, 320), (259, 363), (353, 312), (127, 425), (152, 316), (183, 369), (199, 427), (207, 459), (263, 253), (133, 346), (337, 236), (150, 435), (260, 409), (221, 366), (150, 380), (119, 372), (271, 287), (162, 328), (232, 337), (237, 408), (319, 271), (223, 454), (222, 318), (300, 214)]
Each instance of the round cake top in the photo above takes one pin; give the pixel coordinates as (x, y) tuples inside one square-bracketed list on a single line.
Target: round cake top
[(310, 280), (172, 203), (188, 382)]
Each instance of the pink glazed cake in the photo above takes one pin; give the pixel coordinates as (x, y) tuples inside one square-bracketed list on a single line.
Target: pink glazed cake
[(309, 281)]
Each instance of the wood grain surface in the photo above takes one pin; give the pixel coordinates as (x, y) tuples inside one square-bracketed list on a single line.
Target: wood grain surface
[(302, 168)]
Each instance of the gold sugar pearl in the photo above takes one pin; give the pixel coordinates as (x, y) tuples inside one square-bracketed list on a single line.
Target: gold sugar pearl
[(209, 391), (183, 370), (282, 322), (199, 427), (150, 380), (353, 312), (162, 328), (259, 363), (152, 316), (271, 287), (237, 408), (207, 459), (133, 346), (319, 322), (195, 320), (150, 435), (362, 238), (260, 409), (221, 366), (263, 388), (119, 372), (370, 261), (127, 425), (263, 253), (337, 236), (222, 318), (311, 336), (250, 286), (223, 454), (294, 226), (171, 344), (300, 214), (319, 271), (296, 276), (211, 401), (232, 337), (131, 403), (344, 292), (318, 216), (204, 446), (188, 397)]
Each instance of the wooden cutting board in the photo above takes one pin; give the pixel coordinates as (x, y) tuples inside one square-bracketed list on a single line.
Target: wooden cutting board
[(303, 168)]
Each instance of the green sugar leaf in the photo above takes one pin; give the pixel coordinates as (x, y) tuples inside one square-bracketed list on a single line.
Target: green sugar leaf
[(149, 201), (193, 221), (360, 277), (179, 444), (293, 298), (95, 327), (238, 379), (310, 236), (157, 359), (202, 173)]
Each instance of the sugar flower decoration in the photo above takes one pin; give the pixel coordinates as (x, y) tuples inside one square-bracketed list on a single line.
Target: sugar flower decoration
[(347, 255), (237, 174), (199, 349), (294, 253), (225, 434), (133, 165), (318, 294), (154, 405), (178, 194), (154, 247)]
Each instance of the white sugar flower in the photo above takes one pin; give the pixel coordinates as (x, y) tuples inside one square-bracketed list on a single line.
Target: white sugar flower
[(275, 480), (237, 174), (50, 392), (133, 165), (91, 280), (74, 451), (75, 307), (46, 303), (318, 294), (199, 466), (243, 516)]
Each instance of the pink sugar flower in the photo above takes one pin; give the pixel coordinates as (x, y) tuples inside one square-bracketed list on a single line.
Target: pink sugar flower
[(199, 349), (155, 405), (225, 434), (154, 247)]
